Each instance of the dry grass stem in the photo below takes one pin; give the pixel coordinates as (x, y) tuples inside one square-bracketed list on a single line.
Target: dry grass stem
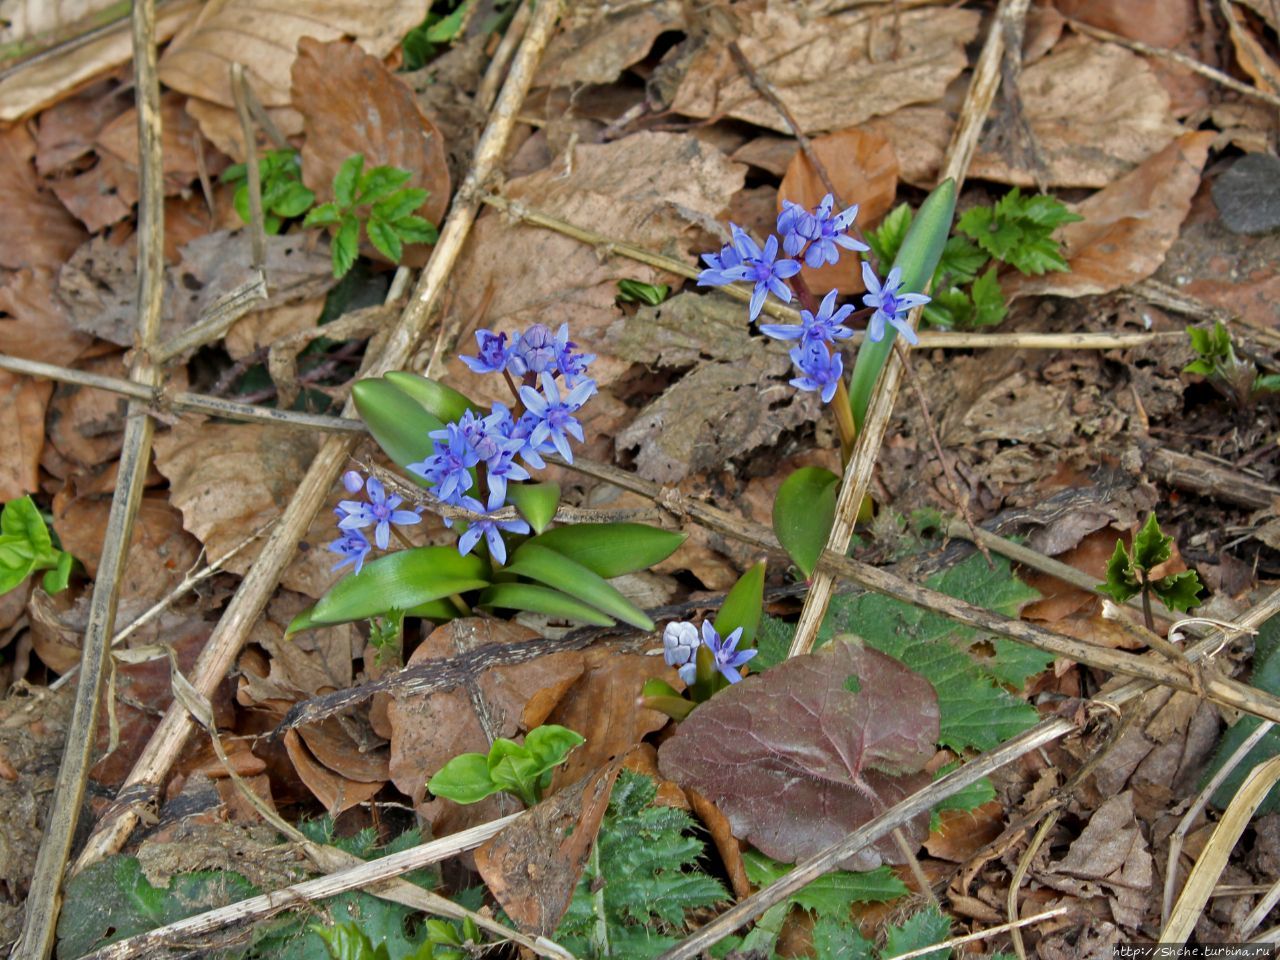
[(983, 934)]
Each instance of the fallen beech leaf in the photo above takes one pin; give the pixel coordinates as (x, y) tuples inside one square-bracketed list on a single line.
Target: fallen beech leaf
[(335, 792), (22, 407), (185, 154), (263, 327), (221, 125), (864, 170), (1160, 23), (831, 72), (264, 37), (596, 41), (1128, 227), (351, 103), (1251, 54), (727, 846), (38, 230), (532, 867), (643, 758), (962, 833), (34, 323), (332, 746), (780, 753)]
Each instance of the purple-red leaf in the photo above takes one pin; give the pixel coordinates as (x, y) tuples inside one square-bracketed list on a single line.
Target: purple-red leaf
[(801, 755)]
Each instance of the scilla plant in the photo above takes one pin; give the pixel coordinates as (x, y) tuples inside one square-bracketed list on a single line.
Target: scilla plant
[(804, 508), (474, 466)]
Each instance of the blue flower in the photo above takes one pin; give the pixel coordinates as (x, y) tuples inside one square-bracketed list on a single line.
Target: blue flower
[(763, 269), (490, 529), (572, 365), (826, 326), (493, 353), (728, 657), (552, 419), (534, 351), (353, 547), (790, 222), (727, 259), (892, 306), (680, 649), (820, 369), (353, 481), (826, 232), (380, 513), (448, 469)]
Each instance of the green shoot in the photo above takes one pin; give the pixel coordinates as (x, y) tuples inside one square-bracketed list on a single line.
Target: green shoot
[(378, 199), (635, 291), (1129, 573), (1238, 380), (26, 547), (523, 770), (283, 194)]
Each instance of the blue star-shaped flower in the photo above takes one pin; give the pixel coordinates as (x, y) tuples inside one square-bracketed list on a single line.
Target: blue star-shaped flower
[(826, 325), (552, 418), (819, 368), (380, 513), (890, 304), (728, 658)]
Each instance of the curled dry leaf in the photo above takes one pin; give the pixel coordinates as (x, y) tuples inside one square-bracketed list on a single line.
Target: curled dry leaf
[(1128, 227), (831, 72), (38, 230), (533, 866), (22, 407), (337, 793), (596, 41), (864, 170), (802, 754), (263, 35), (351, 103)]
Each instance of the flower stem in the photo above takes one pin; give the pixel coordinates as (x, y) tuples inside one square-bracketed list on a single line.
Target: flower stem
[(842, 409)]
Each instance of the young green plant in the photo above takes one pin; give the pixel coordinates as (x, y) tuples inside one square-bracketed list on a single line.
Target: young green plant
[(26, 547), (1216, 360), (284, 196), (521, 769), (1129, 574)]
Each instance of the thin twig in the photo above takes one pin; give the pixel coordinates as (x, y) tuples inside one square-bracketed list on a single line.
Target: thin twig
[(217, 320), (983, 934), (43, 900)]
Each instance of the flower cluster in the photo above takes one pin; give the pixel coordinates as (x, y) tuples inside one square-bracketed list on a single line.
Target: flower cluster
[(535, 351), (816, 237), (380, 511), (680, 642)]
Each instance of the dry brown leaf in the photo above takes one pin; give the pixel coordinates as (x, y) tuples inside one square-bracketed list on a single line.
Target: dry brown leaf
[(262, 328), (331, 744), (1094, 110), (596, 40), (919, 136), (428, 730), (962, 833), (350, 104), (1160, 23), (263, 35), (831, 72), (22, 407), (183, 149), (38, 230), (532, 867), (335, 792), (188, 218), (86, 425), (160, 554), (221, 125), (33, 322), (1251, 54), (864, 170), (727, 845), (1128, 227), (769, 153)]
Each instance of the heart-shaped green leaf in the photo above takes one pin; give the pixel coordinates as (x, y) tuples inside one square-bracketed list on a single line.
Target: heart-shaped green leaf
[(554, 569), (398, 581), (742, 607), (803, 512), (400, 424), (611, 549), (539, 599), (536, 502)]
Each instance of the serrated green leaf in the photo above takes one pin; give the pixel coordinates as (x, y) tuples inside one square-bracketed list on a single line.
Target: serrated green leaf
[(1036, 255), (611, 549), (743, 606), (345, 245), (397, 421), (1179, 591), (537, 502), (925, 928), (989, 306), (1047, 211), (804, 509), (960, 262), (413, 229), (381, 182), (1204, 368), (969, 798), (294, 201), (1150, 546), (399, 204), (833, 940), (384, 239), (539, 599), (831, 894), (322, 216), (445, 403), (1268, 383), (949, 309), (345, 180), (1121, 584), (554, 569), (237, 171), (399, 581), (886, 240)]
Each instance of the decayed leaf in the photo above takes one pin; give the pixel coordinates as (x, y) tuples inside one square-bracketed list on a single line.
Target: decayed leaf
[(532, 867), (335, 792), (38, 230), (864, 170), (351, 103), (22, 406), (185, 153), (831, 72), (86, 426), (427, 731), (735, 399), (263, 35), (797, 738), (1161, 23), (596, 41), (34, 323), (1251, 54), (1128, 227), (263, 327)]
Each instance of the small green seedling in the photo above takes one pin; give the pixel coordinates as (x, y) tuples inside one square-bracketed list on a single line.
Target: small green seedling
[(386, 636), (1129, 573), (283, 194), (26, 547), (379, 199), (523, 770), (1238, 380), (636, 291)]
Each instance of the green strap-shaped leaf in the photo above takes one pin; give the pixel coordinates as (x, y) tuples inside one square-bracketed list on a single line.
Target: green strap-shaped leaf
[(554, 569), (399, 581), (536, 502), (443, 402), (804, 509), (397, 421), (611, 549), (539, 599), (742, 607)]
